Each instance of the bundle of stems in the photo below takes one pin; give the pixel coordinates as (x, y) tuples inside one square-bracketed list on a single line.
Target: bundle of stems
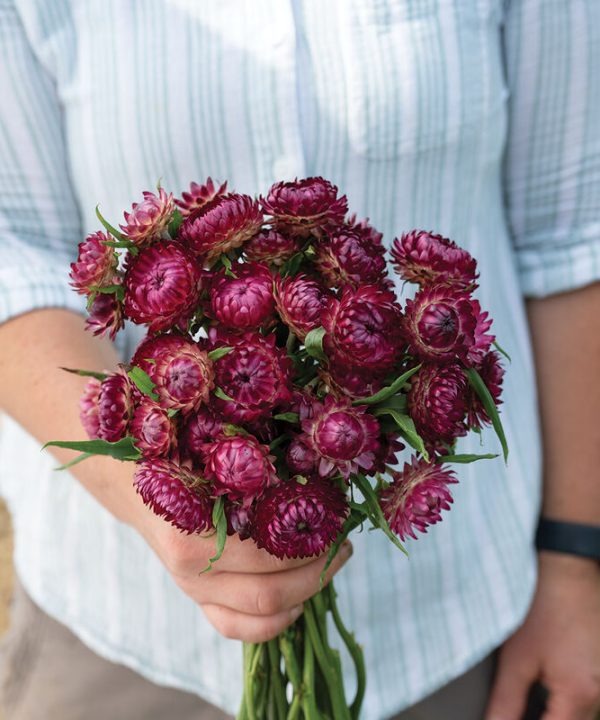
[(298, 675)]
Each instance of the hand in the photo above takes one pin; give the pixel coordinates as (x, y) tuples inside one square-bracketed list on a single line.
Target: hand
[(558, 644), (248, 595)]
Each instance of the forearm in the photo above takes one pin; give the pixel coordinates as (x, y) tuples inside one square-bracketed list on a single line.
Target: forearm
[(565, 332), (45, 400)]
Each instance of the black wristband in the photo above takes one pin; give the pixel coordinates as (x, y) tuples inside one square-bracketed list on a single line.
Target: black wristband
[(568, 537)]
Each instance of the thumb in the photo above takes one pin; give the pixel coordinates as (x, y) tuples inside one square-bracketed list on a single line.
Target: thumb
[(514, 676)]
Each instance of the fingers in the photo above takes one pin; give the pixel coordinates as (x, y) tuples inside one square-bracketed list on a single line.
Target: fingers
[(578, 698), (249, 628), (514, 676), (263, 594)]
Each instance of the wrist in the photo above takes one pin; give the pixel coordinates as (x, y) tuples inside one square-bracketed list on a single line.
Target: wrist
[(567, 566)]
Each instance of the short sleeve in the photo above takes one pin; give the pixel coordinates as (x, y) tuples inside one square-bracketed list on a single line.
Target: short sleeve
[(39, 219), (552, 162)]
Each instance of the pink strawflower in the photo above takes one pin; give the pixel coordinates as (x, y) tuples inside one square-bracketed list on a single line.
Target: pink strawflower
[(162, 286), (300, 301), (364, 328), (437, 402), (88, 408), (416, 497), (427, 259), (223, 224), (105, 316), (300, 458), (305, 207), (201, 428), (365, 230), (243, 302), (175, 494), (180, 369), (148, 219), (199, 196), (345, 380), (389, 447), (154, 431), (271, 247), (96, 264), (482, 341), (256, 375), (297, 520), (492, 374), (239, 519), (444, 325), (345, 438), (349, 258), (240, 467), (115, 406)]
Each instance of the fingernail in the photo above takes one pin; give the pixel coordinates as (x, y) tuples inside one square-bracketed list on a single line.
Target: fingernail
[(296, 611)]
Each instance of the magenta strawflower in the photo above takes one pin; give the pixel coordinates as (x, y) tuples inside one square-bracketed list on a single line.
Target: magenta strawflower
[(492, 374), (300, 301), (180, 369), (243, 302), (482, 340), (175, 494), (256, 375), (162, 286), (297, 520), (443, 325), (88, 408), (240, 467), (345, 438), (202, 427), (427, 259), (364, 328), (223, 224), (148, 220), (389, 447), (115, 406), (239, 519), (105, 316), (300, 458), (154, 431), (271, 247), (415, 498), (349, 258), (345, 380), (305, 207), (437, 402), (96, 264), (199, 196), (365, 230)]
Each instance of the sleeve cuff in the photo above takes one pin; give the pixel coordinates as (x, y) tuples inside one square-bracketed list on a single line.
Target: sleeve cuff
[(558, 269), (23, 289)]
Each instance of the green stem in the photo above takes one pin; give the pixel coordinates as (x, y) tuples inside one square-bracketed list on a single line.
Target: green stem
[(295, 708), (291, 663), (276, 681), (250, 651), (355, 652), (261, 674), (309, 705), (290, 344), (328, 665)]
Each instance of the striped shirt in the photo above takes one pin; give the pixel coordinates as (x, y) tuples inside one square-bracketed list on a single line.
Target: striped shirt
[(475, 118)]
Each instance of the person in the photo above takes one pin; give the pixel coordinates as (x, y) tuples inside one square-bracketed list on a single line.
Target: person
[(476, 119)]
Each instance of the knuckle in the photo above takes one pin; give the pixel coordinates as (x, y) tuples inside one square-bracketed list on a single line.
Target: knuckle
[(177, 553)]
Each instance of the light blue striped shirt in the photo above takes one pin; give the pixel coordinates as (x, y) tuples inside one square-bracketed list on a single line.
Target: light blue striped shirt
[(476, 118)]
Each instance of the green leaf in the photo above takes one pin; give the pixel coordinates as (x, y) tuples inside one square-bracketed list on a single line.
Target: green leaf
[(108, 227), (86, 373), (218, 353), (123, 449), (223, 395), (290, 417), (175, 222), (291, 266), (78, 459), (489, 405), (171, 412), (464, 458), (388, 391), (501, 350), (314, 343), (142, 382), (117, 290), (219, 521), (407, 428), (277, 442), (230, 430), (375, 512)]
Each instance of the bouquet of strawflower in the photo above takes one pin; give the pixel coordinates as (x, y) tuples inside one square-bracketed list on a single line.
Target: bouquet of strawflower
[(279, 379)]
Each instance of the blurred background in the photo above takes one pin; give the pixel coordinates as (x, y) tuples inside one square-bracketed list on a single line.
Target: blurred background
[(5, 566)]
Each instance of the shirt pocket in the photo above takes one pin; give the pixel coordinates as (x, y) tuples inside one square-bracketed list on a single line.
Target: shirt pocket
[(422, 74)]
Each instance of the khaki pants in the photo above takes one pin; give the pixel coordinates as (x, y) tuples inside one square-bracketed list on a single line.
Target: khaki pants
[(46, 673)]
